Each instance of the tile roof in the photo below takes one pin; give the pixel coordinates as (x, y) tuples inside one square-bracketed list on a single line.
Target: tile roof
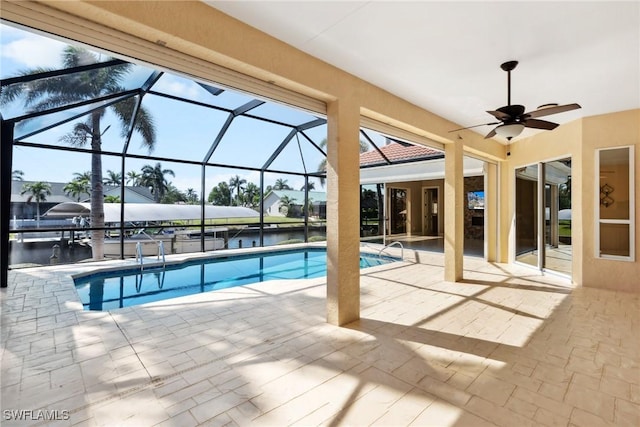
[(396, 152)]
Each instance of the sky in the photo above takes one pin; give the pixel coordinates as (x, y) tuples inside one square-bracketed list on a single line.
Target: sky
[(183, 131)]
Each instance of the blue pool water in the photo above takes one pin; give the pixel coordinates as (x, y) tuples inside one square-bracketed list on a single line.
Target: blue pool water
[(115, 289)]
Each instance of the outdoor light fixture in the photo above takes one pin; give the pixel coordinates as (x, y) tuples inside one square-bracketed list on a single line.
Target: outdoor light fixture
[(510, 130)]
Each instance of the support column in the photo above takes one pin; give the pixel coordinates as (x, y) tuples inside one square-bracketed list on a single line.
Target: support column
[(506, 212), (554, 219), (454, 212), (6, 156), (491, 230), (343, 212)]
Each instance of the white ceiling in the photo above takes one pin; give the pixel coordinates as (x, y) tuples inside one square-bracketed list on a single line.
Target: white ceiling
[(446, 56)]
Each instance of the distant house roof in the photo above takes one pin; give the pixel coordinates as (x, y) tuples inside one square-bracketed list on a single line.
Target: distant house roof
[(58, 194), (397, 153), (143, 193), (317, 196)]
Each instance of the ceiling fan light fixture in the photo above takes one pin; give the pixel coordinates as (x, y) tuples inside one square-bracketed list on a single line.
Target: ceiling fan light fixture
[(510, 130)]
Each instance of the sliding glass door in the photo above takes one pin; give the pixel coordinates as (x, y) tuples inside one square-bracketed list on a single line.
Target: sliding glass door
[(543, 215)]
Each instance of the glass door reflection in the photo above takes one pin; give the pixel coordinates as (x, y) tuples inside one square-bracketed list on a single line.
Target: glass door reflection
[(527, 215), (543, 215)]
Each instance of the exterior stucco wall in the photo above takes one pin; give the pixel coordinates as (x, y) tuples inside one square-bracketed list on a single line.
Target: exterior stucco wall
[(577, 140), (610, 130)]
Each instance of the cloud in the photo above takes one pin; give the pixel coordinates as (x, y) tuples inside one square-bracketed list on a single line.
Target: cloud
[(178, 86), (30, 50)]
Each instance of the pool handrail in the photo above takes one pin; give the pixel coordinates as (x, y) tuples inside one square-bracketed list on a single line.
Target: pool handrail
[(139, 255), (396, 243), (161, 252)]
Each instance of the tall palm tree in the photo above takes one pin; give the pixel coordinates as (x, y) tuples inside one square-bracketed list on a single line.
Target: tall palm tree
[(286, 205), (252, 195), (154, 178), (113, 178), (17, 175), (281, 184), (192, 196), (310, 186), (77, 188), (39, 191), (133, 178), (44, 94), (172, 195), (82, 176), (237, 182)]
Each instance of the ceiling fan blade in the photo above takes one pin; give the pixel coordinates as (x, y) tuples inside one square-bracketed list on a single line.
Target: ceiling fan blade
[(539, 124), (471, 127), (546, 111), (491, 134), (500, 115)]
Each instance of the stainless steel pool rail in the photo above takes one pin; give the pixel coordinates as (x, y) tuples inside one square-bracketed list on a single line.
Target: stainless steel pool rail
[(139, 255), (161, 253), (140, 258), (384, 248), (393, 244)]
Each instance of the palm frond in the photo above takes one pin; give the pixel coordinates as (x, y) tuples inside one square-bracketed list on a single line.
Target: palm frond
[(144, 123)]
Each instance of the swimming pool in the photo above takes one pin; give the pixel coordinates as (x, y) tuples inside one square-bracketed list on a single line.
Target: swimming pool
[(123, 288)]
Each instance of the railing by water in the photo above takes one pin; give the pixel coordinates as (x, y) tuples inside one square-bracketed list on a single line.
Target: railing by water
[(140, 258), (139, 255), (393, 244)]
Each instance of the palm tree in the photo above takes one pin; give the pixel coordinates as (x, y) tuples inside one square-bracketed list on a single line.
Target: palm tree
[(252, 195), (192, 196), (17, 175), (113, 178), (309, 207), (310, 186), (172, 195), (237, 182), (39, 191), (153, 177), (44, 94), (77, 188), (133, 178), (111, 199), (82, 176), (322, 167), (281, 184), (286, 205)]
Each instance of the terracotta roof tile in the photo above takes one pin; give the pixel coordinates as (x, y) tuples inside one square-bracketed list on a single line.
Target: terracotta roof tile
[(398, 152)]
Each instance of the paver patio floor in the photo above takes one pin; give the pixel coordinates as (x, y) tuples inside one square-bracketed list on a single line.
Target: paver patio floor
[(507, 346)]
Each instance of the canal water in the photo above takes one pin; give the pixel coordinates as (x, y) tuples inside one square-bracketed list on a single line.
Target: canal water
[(43, 252)]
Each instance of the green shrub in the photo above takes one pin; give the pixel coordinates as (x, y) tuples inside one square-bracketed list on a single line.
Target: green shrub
[(290, 241)]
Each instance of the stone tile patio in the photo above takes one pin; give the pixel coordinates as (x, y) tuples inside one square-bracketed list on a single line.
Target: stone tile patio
[(507, 346)]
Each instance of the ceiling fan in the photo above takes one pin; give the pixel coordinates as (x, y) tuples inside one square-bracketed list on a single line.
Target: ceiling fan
[(513, 119)]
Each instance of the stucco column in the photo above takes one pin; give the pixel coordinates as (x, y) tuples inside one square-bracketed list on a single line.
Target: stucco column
[(554, 219), (453, 207), (506, 213), (343, 212), (491, 211)]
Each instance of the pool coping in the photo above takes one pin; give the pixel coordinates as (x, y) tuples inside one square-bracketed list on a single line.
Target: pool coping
[(67, 273)]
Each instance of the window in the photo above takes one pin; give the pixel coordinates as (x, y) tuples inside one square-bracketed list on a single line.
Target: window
[(615, 204)]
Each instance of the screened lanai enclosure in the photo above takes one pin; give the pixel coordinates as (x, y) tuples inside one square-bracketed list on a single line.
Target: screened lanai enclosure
[(104, 134)]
